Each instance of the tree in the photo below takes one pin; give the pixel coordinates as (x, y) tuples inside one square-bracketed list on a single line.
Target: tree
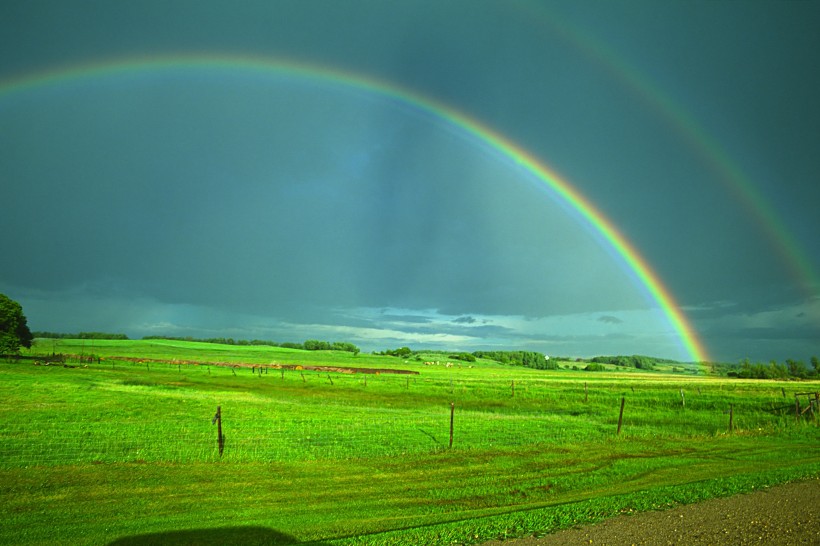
[(13, 327)]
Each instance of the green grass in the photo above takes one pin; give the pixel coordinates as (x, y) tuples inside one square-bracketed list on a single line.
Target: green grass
[(122, 449)]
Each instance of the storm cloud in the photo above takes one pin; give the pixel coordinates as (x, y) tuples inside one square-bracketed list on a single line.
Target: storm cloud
[(205, 200)]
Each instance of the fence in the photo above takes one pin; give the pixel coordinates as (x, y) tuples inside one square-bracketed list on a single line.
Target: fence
[(485, 415)]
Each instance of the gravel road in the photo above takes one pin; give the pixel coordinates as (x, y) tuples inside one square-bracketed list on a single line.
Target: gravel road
[(782, 515)]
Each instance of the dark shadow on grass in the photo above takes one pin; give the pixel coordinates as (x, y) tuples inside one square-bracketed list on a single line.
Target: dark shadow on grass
[(431, 437), (246, 536)]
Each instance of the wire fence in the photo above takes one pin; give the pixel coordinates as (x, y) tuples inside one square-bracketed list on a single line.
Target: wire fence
[(271, 428), (359, 433), (356, 434)]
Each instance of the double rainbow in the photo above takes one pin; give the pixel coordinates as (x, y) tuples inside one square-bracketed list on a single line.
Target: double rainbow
[(557, 184)]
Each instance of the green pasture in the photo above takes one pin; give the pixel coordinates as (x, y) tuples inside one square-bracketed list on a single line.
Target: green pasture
[(120, 452)]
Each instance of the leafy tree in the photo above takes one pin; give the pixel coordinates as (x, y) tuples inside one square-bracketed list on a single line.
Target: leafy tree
[(14, 330), (797, 368), (466, 357), (402, 352), (528, 359)]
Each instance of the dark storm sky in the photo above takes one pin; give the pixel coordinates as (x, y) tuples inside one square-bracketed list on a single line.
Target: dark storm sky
[(215, 201)]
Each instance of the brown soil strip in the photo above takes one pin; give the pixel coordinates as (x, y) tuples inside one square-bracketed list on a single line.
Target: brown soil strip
[(783, 515)]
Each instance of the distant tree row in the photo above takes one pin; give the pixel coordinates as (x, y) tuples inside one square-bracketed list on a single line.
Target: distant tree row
[(401, 352), (308, 345), (81, 335), (466, 357), (316, 345), (634, 361), (791, 369), (528, 359)]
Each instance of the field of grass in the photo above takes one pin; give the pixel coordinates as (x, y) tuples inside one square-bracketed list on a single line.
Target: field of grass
[(126, 452)]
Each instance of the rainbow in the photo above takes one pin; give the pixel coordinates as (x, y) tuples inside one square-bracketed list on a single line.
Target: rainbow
[(739, 184), (559, 185)]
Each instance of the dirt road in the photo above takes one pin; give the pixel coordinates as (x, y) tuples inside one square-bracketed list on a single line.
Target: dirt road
[(784, 515)]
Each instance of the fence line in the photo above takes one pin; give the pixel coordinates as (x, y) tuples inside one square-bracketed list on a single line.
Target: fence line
[(295, 436)]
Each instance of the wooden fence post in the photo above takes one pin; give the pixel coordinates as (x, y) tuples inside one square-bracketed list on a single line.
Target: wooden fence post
[(220, 440), (682, 399), (621, 415), (452, 413), (816, 403), (731, 417)]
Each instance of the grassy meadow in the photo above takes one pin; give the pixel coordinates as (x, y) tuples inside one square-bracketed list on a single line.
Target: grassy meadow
[(118, 451)]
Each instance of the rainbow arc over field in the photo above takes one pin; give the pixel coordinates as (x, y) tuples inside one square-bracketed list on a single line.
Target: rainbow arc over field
[(557, 184)]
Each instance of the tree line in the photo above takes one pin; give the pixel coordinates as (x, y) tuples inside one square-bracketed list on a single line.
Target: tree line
[(634, 361), (527, 359), (81, 335), (791, 369)]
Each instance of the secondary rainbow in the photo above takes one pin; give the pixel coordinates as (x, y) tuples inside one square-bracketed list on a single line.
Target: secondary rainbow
[(559, 185), (702, 143)]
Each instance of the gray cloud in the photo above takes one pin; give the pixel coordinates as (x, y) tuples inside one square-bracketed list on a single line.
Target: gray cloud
[(464, 320), (609, 319), (206, 199)]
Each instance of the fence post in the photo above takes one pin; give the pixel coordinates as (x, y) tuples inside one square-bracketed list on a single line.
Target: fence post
[(621, 415), (220, 440), (682, 399), (816, 404), (452, 413), (731, 417)]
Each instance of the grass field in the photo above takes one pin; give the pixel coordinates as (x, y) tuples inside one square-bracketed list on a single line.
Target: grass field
[(126, 452)]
